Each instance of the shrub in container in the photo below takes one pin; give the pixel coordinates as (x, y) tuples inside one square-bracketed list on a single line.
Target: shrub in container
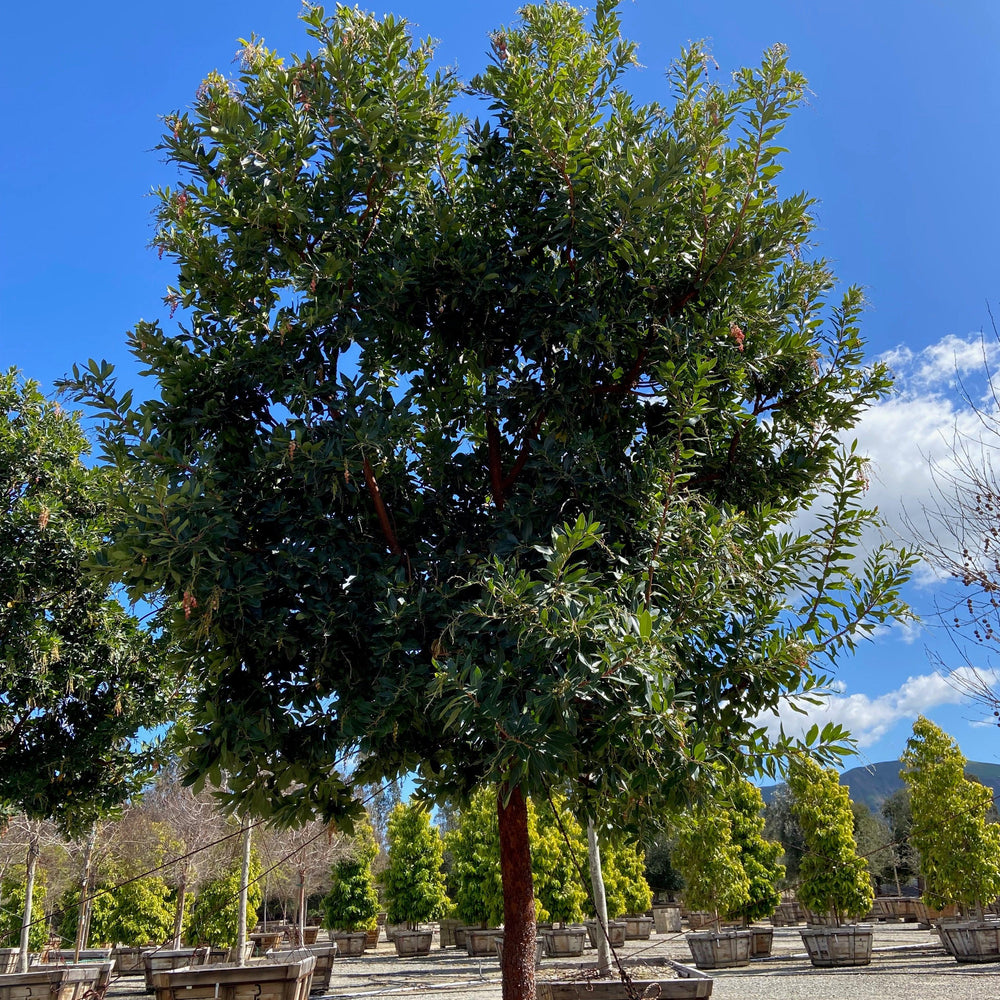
[(833, 878), (413, 881), (351, 907), (715, 880), (959, 850), (760, 859)]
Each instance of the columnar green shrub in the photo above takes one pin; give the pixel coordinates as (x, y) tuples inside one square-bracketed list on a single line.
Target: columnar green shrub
[(959, 851), (12, 909), (475, 849), (714, 878), (760, 857), (352, 903), (558, 856), (215, 912), (413, 880), (625, 885), (833, 878), (133, 913)]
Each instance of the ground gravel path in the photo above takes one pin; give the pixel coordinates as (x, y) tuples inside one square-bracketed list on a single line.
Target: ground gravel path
[(908, 964)]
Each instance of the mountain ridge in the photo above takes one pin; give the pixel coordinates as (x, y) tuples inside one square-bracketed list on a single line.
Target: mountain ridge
[(872, 784)]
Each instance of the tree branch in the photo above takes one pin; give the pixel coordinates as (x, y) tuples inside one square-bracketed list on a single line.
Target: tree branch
[(380, 510)]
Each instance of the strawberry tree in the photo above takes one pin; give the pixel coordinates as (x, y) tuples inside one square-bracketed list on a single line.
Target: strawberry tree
[(476, 448)]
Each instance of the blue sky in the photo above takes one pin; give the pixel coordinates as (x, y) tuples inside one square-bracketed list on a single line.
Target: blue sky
[(899, 143)]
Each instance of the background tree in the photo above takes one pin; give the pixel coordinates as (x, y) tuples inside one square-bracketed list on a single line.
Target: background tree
[(758, 855), (76, 670), (833, 878), (12, 910), (959, 850), (133, 912), (661, 875), (213, 918), (780, 824), (421, 356), (874, 840), (709, 861), (904, 860), (625, 878), (558, 861), (352, 904), (413, 881), (474, 881)]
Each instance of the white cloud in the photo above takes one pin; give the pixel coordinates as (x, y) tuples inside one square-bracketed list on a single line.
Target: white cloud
[(868, 719), (915, 438)]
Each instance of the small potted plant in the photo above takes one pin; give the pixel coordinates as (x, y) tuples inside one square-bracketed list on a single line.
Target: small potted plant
[(413, 881), (959, 850), (351, 906), (715, 880), (833, 879)]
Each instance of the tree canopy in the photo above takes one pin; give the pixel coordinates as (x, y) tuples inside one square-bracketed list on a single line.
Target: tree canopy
[(478, 449), (78, 676)]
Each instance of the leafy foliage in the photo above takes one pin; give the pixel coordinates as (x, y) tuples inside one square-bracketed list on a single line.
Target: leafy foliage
[(714, 878), (332, 446), (832, 877), (352, 904), (12, 900), (76, 671), (625, 885), (474, 845), (413, 880), (758, 856), (959, 851), (214, 917), (141, 912), (558, 856)]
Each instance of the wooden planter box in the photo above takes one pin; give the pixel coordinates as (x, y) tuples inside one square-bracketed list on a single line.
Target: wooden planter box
[(447, 927), (788, 914), (565, 942), (690, 986), (412, 943), (838, 946), (287, 981), (539, 948), (638, 928), (130, 961), (460, 932), (324, 955), (699, 919), (8, 960), (56, 982), (971, 941), (165, 959), (667, 919), (761, 941), (310, 934), (64, 955), (350, 944), (265, 941), (616, 932), (479, 940), (723, 950)]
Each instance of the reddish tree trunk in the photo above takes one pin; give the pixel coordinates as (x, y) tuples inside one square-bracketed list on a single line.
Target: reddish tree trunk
[(518, 966)]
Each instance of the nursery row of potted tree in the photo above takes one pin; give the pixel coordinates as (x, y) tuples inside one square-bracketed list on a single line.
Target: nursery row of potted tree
[(417, 890)]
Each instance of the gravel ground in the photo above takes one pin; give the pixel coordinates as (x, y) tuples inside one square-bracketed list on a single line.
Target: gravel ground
[(907, 964)]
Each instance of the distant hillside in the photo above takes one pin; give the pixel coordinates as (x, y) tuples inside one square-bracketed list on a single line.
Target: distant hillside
[(876, 782)]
